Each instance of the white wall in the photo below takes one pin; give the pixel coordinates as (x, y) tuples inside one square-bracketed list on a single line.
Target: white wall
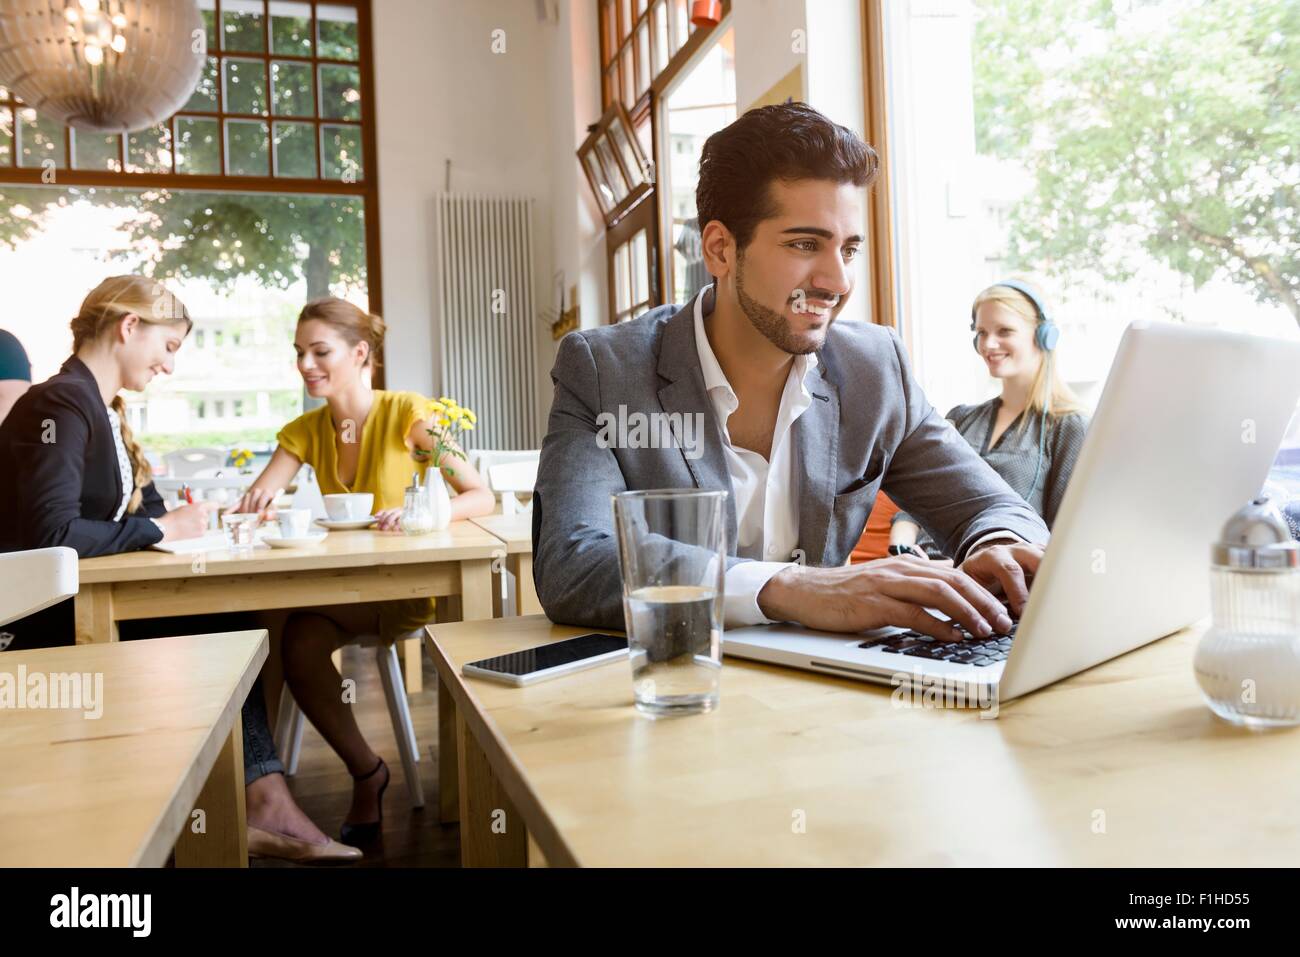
[(766, 44), (442, 93)]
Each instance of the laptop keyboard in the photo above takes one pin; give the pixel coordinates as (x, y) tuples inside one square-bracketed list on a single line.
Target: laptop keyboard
[(969, 651)]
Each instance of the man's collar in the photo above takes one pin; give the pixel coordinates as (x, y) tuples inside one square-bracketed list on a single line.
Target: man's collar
[(714, 377)]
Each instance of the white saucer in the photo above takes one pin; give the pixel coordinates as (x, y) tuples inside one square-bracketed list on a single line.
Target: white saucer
[(344, 525), (277, 541)]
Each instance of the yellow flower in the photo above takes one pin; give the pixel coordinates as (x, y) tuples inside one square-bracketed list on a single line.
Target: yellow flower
[(443, 422), (471, 416), (467, 426)]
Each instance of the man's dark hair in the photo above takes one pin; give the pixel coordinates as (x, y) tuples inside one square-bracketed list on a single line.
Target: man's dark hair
[(788, 141)]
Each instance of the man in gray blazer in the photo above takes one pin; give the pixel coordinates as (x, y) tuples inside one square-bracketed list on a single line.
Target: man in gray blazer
[(753, 387)]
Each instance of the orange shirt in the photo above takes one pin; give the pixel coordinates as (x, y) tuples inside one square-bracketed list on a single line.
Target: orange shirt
[(874, 542)]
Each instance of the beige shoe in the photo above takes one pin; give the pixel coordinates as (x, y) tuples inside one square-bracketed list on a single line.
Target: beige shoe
[(270, 844)]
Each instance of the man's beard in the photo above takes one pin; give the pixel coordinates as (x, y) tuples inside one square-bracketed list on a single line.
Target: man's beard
[(771, 324)]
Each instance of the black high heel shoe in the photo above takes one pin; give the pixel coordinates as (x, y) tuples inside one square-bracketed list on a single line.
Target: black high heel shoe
[(366, 832)]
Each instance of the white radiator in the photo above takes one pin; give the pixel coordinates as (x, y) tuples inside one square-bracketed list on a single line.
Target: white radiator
[(488, 344)]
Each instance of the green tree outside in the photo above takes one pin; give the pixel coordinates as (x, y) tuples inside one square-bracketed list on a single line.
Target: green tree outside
[(1172, 125)]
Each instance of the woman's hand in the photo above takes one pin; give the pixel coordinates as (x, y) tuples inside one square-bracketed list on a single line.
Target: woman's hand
[(390, 520), (188, 521), (259, 500)]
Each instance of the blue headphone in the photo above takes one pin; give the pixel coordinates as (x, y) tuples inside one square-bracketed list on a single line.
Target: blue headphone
[(1046, 335)]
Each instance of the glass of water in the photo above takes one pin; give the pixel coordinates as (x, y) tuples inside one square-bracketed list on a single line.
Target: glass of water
[(672, 548), (240, 529)]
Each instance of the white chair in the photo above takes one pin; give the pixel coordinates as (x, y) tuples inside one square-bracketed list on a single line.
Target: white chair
[(35, 580), (186, 463), (484, 460), (512, 480), (290, 720)]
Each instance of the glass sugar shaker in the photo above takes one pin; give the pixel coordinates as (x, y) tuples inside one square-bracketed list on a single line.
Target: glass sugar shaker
[(1248, 662), (417, 516)]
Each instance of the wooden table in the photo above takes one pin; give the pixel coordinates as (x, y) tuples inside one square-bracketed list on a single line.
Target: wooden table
[(122, 789), (1119, 765), (347, 567), (515, 532)]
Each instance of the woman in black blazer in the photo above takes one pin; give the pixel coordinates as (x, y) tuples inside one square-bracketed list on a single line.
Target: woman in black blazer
[(74, 475)]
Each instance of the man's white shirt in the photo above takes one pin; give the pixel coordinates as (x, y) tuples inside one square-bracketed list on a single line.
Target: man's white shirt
[(765, 491)]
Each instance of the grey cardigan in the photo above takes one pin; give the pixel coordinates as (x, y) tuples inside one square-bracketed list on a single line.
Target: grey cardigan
[(1015, 455)]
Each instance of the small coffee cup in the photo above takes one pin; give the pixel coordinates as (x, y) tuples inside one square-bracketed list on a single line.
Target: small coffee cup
[(349, 507), (293, 522)]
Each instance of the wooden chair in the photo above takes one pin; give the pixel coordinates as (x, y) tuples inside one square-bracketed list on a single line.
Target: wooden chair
[(290, 719)]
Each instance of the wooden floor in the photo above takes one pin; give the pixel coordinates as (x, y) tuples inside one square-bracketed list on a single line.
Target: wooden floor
[(322, 787)]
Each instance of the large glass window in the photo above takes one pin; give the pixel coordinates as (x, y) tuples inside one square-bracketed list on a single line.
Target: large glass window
[(1135, 159), (253, 75), (245, 264), (251, 200)]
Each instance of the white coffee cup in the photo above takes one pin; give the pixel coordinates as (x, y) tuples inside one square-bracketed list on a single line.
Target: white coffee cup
[(294, 522), (349, 507)]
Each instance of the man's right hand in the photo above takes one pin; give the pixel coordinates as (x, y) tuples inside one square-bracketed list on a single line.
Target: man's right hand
[(188, 521), (889, 591)]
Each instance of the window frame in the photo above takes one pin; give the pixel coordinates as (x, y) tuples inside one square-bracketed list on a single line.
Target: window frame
[(644, 216), (365, 186), (886, 308), (644, 109), (616, 117)]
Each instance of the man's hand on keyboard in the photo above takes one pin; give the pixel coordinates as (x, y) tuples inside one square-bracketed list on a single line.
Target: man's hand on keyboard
[(889, 591), (1005, 569)]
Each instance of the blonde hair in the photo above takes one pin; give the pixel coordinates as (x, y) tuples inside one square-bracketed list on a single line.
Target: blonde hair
[(351, 322), (108, 303), (1060, 400)]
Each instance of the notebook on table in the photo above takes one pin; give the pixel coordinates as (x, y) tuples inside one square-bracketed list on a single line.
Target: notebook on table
[(211, 542)]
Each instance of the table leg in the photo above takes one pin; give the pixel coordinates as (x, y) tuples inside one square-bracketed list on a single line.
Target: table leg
[(498, 585), (224, 841), (411, 651), (535, 856), (476, 589), (94, 614), (448, 765), (475, 601), (492, 834), (526, 601)]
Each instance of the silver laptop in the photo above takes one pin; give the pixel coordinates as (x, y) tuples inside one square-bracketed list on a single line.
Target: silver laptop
[(1186, 429)]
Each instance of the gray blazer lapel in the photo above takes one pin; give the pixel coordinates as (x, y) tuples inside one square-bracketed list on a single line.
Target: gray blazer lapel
[(817, 437), (684, 393)]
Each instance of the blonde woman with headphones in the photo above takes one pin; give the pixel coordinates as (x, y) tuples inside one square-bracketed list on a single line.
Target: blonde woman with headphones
[(1032, 432)]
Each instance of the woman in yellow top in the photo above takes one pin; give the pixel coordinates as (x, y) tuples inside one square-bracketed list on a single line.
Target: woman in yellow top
[(362, 440)]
